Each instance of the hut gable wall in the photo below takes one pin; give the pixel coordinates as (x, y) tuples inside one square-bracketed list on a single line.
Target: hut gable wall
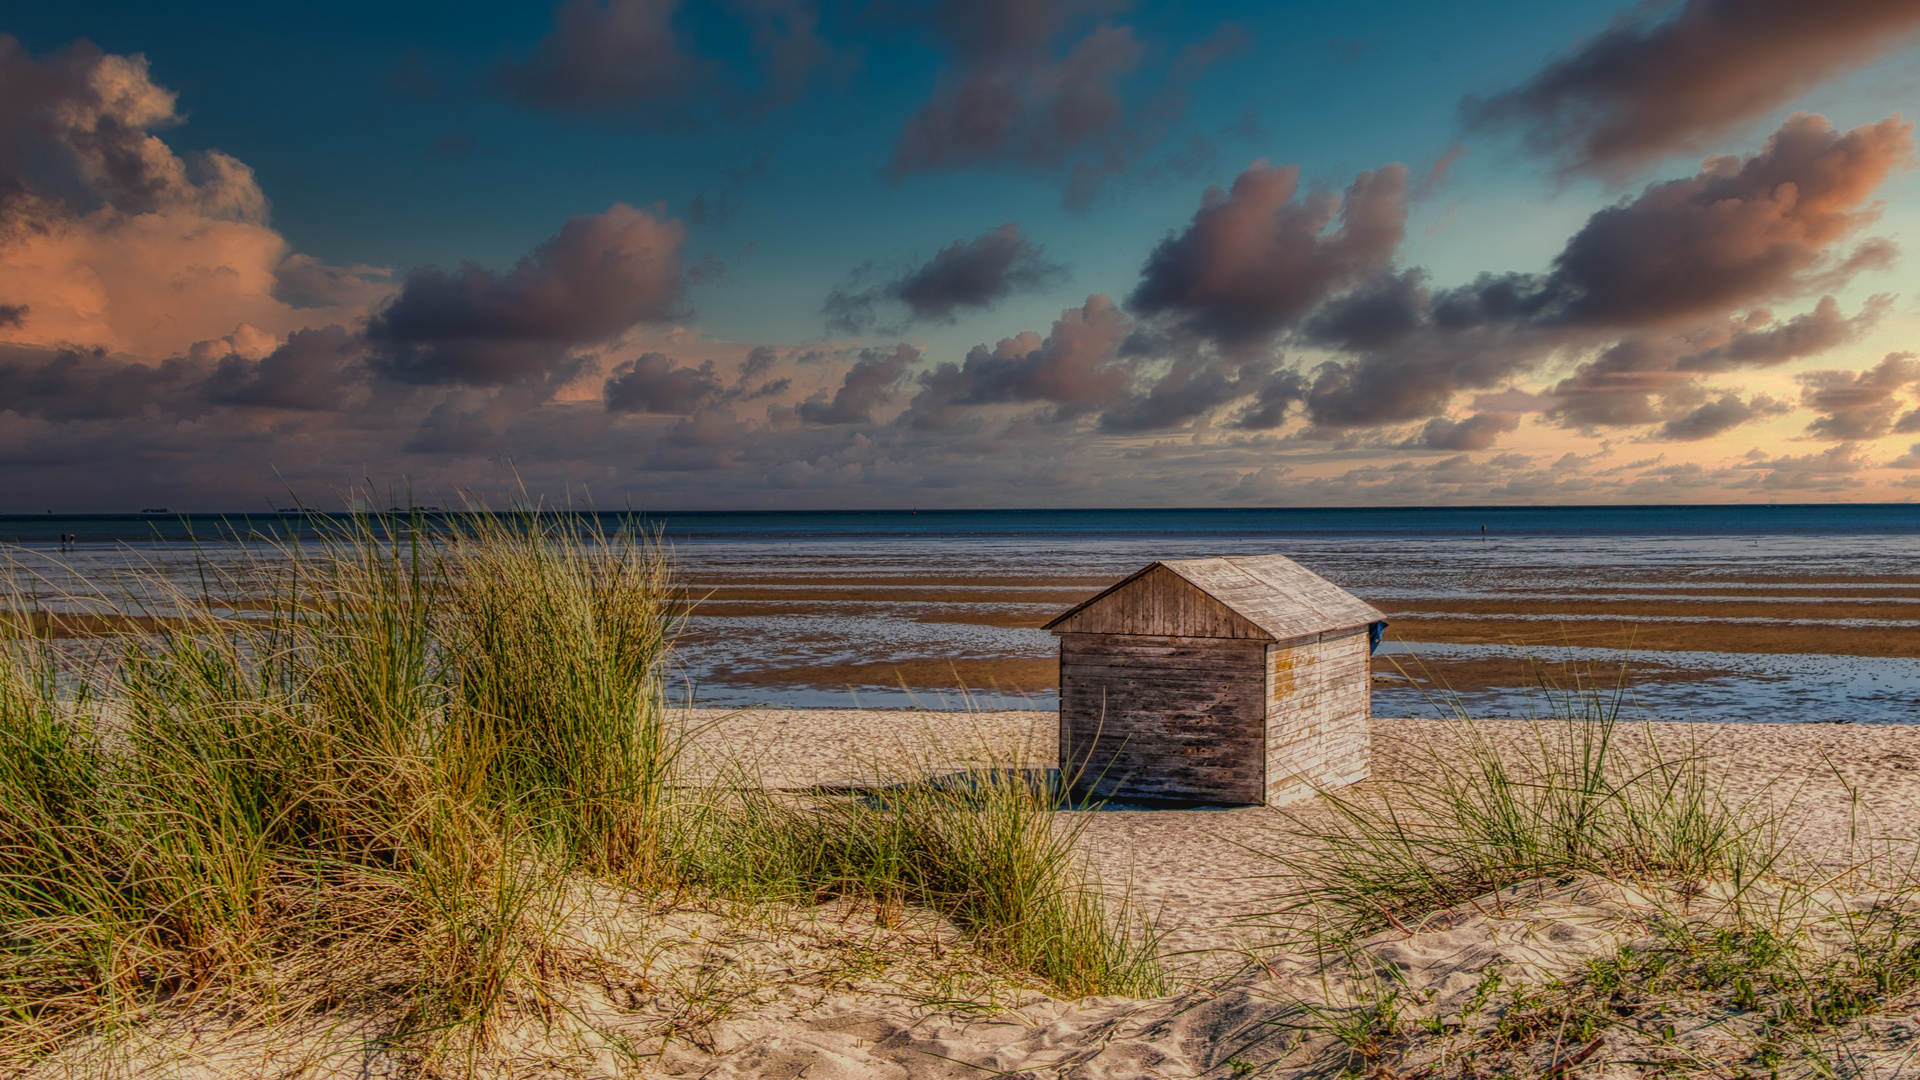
[(1159, 603), (1163, 718)]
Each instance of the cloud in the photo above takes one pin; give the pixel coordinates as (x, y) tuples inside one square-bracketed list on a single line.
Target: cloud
[(621, 56), (600, 276), (653, 383), (1757, 342), (868, 385), (973, 274), (1832, 470), (1621, 384), (1075, 368), (109, 238), (1477, 432), (1650, 288), (1006, 92), (1716, 417), (88, 384), (710, 439), (1659, 81), (1284, 389), (1028, 82), (785, 38), (1860, 404), (1255, 260), (1195, 386), (315, 370), (1736, 232), (625, 60)]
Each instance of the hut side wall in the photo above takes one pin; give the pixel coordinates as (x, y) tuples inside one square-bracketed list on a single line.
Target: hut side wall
[(1318, 701), (1148, 717)]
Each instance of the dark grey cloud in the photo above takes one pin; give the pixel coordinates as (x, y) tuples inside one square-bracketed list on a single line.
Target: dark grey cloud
[(1667, 78), (1832, 470), (868, 384), (967, 274), (618, 56), (76, 136), (1477, 432), (627, 61), (1194, 386), (654, 383), (1861, 404), (1736, 233), (89, 384), (1271, 404), (1635, 380), (1075, 368), (14, 315), (1416, 377), (1038, 83), (1655, 284), (315, 370), (1718, 416), (1382, 310), (600, 276), (1765, 344), (709, 440), (1255, 260)]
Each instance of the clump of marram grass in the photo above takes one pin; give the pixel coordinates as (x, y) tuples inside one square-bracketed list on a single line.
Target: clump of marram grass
[(985, 848), (363, 774), (1584, 793), (1742, 955)]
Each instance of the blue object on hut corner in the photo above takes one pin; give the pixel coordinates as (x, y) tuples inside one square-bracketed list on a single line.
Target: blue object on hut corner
[(1375, 631)]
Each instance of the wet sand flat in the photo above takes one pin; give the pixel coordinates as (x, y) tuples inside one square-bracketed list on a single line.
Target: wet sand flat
[(909, 630)]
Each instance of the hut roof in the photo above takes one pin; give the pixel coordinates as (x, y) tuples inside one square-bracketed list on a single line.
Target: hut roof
[(1267, 597)]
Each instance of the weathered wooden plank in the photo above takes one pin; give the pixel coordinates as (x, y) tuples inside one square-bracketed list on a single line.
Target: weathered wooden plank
[(1158, 601), (1267, 597), (1160, 661), (1187, 723), (1317, 711)]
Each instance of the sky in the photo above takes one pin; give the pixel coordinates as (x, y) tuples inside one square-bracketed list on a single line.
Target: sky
[(792, 254)]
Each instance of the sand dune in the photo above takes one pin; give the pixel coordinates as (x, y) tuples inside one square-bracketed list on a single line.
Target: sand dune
[(832, 993)]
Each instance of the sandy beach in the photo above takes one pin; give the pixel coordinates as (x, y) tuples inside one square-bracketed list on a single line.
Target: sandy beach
[(685, 988), (1201, 874), (1205, 878)]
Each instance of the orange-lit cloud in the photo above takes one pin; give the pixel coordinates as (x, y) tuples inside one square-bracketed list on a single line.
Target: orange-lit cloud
[(110, 239)]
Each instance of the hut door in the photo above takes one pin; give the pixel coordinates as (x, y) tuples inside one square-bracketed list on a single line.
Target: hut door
[(1163, 718)]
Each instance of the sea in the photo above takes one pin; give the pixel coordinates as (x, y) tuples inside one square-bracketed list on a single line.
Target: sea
[(1788, 553)]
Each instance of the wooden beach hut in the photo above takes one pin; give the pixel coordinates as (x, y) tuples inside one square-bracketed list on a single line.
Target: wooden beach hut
[(1241, 679)]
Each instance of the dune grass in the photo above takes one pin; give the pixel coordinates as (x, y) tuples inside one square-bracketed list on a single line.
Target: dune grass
[(360, 774), (1749, 955), (986, 849)]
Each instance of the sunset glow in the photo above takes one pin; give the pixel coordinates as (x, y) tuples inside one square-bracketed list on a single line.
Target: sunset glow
[(779, 254)]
